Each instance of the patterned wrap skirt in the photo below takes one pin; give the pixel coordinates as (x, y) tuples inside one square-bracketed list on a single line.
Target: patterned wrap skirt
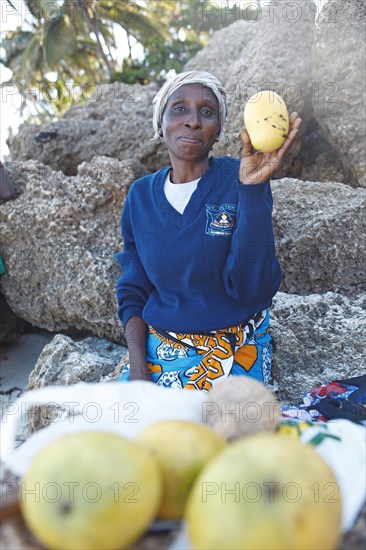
[(199, 361)]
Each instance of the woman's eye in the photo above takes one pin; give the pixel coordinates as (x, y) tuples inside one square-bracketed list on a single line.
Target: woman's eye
[(179, 108), (206, 112)]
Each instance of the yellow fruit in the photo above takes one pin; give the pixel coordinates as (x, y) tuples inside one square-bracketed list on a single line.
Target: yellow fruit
[(182, 450), (265, 491), (266, 120), (90, 490)]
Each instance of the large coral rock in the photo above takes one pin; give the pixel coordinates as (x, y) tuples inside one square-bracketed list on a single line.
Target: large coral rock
[(317, 338), (64, 362), (339, 74), (59, 240), (115, 122), (224, 48), (320, 236)]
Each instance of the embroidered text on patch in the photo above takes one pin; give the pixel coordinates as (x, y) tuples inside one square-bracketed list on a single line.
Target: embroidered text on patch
[(220, 220)]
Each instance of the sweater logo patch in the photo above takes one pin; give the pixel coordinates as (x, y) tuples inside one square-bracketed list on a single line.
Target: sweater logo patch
[(220, 220)]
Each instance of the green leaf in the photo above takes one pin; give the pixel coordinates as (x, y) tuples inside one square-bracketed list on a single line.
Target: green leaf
[(15, 42), (44, 10), (24, 63), (59, 41), (130, 16)]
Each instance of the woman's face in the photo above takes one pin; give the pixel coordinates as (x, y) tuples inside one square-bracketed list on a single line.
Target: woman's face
[(190, 123)]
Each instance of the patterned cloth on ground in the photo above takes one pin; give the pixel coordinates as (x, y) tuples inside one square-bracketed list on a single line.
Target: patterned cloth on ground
[(332, 400), (199, 361)]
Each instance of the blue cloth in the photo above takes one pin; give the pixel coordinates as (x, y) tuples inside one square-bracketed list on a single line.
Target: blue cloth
[(212, 267), (174, 366)]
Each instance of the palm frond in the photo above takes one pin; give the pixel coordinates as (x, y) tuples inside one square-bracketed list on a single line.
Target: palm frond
[(59, 41)]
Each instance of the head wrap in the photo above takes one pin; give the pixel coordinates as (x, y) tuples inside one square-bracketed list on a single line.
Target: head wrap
[(189, 77)]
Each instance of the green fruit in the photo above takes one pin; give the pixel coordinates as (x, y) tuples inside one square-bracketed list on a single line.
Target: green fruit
[(266, 120), (182, 450), (90, 490), (265, 491)]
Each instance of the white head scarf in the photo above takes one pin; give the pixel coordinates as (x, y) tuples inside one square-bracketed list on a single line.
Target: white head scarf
[(189, 77)]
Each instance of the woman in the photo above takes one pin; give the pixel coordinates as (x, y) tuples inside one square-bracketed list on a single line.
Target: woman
[(199, 264)]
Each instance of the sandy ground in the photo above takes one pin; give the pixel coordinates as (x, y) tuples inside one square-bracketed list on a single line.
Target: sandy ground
[(16, 363), (18, 360)]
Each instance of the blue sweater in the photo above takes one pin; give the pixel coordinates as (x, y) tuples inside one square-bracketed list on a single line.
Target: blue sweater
[(212, 267)]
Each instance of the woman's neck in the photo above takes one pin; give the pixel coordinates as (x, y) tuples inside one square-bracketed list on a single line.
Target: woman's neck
[(184, 172)]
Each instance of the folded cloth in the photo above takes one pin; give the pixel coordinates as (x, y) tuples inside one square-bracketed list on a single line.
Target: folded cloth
[(342, 444), (339, 399), (336, 399)]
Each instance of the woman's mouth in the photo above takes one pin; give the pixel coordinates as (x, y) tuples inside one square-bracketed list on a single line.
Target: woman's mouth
[(189, 139)]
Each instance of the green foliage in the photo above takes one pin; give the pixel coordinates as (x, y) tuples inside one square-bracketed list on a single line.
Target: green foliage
[(70, 44), (59, 41)]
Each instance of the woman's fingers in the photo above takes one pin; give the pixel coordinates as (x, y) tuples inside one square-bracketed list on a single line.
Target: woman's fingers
[(248, 148), (293, 117), (290, 138), (295, 121)]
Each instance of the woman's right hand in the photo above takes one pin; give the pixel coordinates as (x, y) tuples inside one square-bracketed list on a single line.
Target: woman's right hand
[(256, 167), (136, 336), (140, 372)]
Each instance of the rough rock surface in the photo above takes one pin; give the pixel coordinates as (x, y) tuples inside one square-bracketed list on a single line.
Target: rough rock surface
[(340, 93), (59, 240), (115, 122), (223, 49), (317, 338), (320, 233), (64, 362)]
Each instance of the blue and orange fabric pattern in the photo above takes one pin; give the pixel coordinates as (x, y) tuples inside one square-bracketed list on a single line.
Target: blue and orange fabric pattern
[(199, 361)]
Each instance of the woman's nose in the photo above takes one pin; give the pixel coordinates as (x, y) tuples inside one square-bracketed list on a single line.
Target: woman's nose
[(193, 120)]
